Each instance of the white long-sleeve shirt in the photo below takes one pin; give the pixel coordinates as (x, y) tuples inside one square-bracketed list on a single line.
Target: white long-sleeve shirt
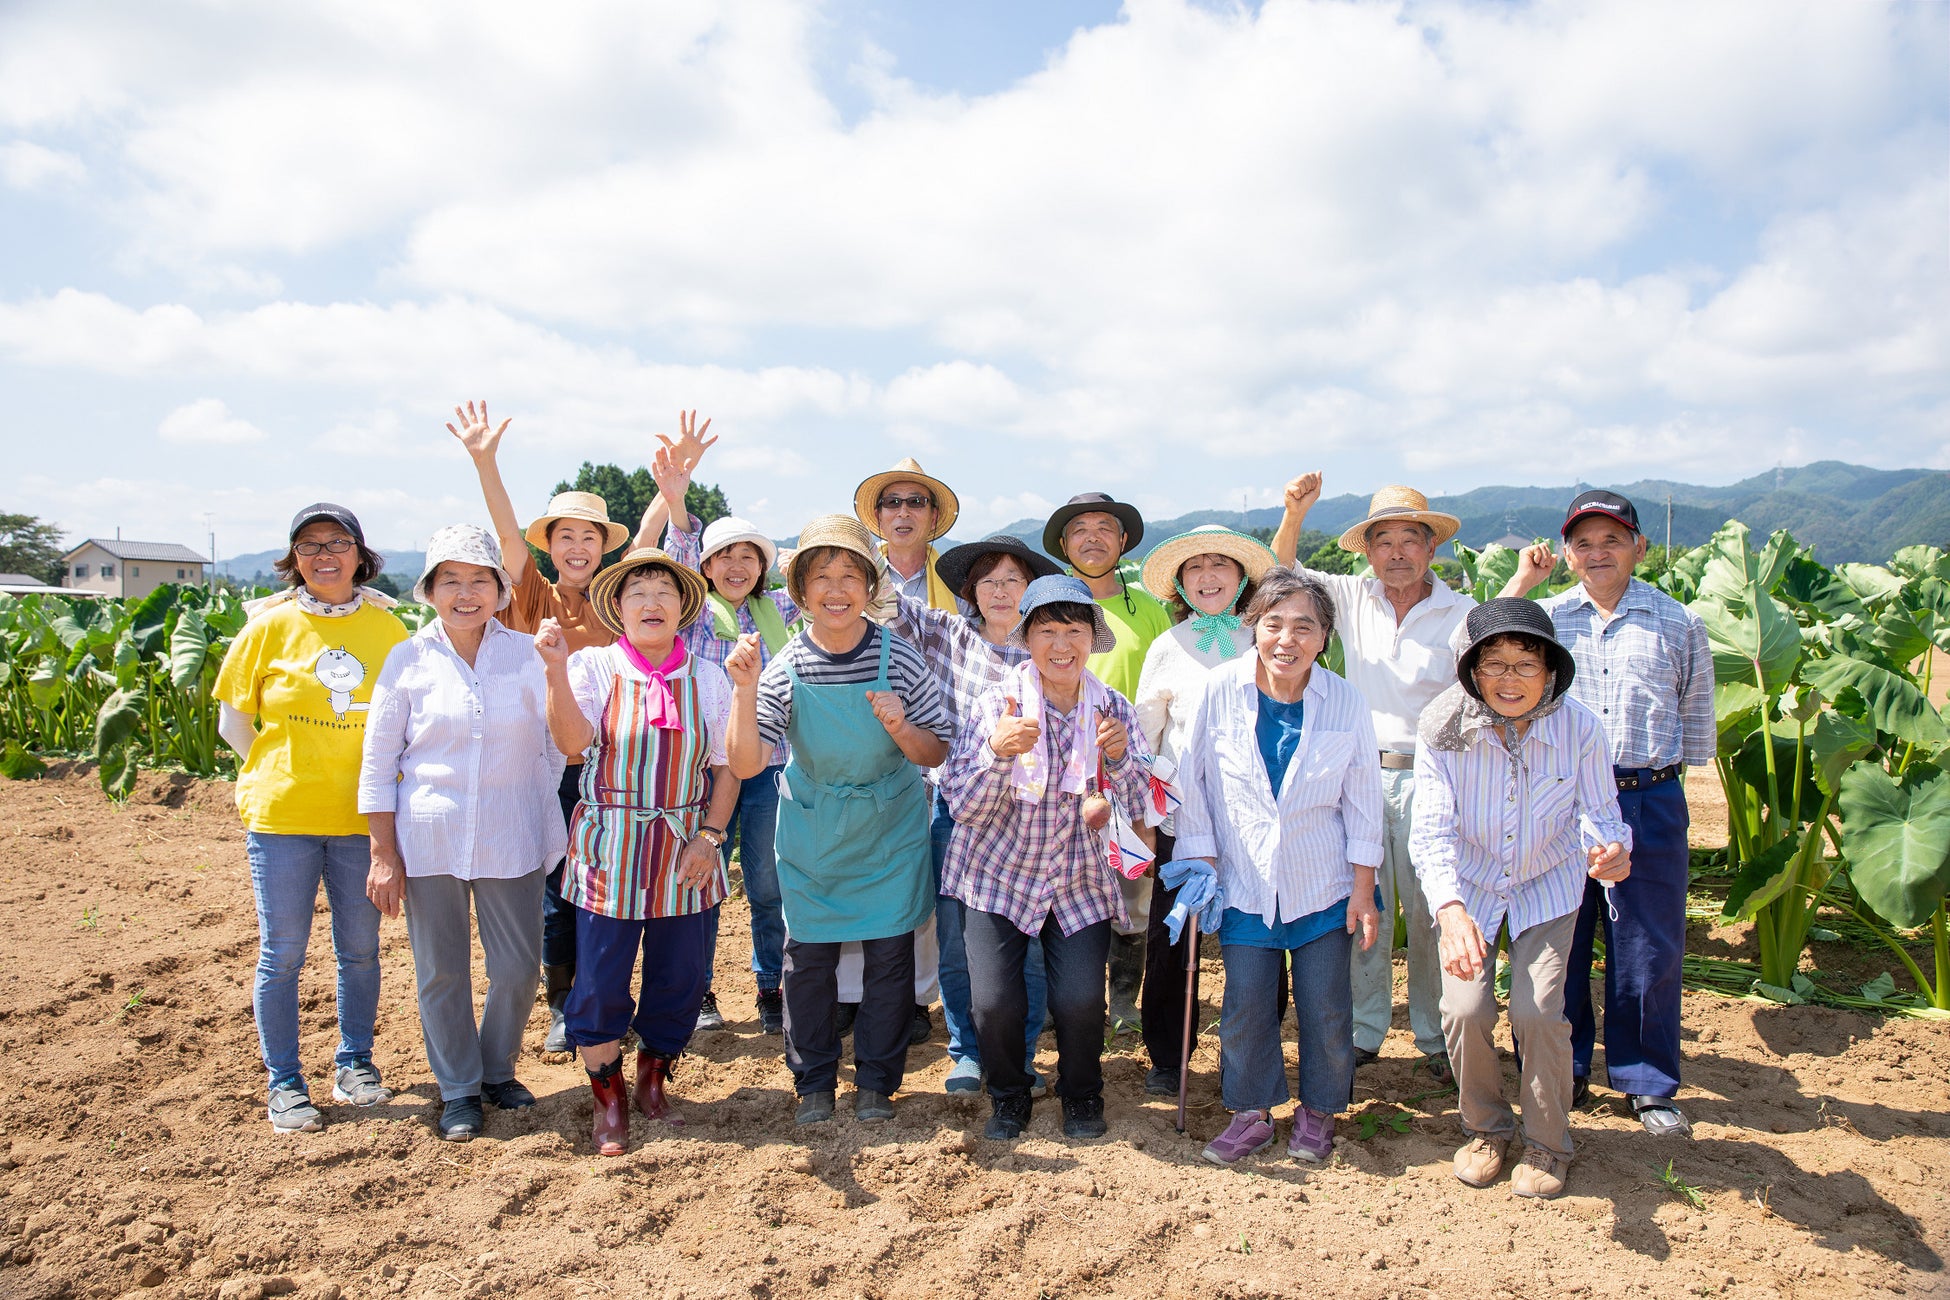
[(462, 756), (1287, 858), (1504, 847)]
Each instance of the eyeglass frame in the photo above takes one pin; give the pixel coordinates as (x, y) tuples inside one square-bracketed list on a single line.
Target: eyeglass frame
[(337, 546), (1481, 669), (918, 501)]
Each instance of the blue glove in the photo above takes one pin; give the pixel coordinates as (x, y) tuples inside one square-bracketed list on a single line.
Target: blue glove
[(1198, 891)]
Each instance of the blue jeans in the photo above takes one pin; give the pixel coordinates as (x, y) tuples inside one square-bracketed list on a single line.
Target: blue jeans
[(754, 822), (962, 1045), (1252, 1064), (285, 873)]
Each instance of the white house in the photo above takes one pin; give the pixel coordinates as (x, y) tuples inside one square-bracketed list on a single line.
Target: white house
[(130, 570)]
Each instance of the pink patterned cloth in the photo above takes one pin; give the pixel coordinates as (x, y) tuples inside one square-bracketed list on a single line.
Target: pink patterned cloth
[(664, 712)]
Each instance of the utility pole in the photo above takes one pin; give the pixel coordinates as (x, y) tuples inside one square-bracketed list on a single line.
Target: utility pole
[(210, 578), (1668, 529)]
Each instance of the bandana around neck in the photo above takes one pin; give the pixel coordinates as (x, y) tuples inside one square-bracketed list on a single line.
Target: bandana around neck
[(1216, 632), (1029, 774), (1454, 718), (663, 704)]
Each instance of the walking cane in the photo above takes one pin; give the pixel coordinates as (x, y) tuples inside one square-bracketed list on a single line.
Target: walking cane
[(1191, 1004)]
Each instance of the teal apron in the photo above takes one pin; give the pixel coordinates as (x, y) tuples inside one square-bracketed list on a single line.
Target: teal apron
[(852, 839)]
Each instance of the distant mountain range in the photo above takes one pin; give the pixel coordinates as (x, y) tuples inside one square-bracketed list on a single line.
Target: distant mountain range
[(1847, 512)]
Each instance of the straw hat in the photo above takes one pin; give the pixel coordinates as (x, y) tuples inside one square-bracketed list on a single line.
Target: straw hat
[(866, 497), (586, 506), (605, 592), (830, 530), (464, 544), (1162, 565), (1392, 505)]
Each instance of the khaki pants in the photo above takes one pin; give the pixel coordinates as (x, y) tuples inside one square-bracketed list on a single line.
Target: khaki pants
[(1538, 959)]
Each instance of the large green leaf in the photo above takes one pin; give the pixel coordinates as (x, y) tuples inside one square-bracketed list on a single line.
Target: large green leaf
[(1896, 634), (1838, 741), (44, 684), (1494, 566), (150, 617), (1810, 587), (1871, 582), (189, 644), (1921, 562), (120, 718), (1889, 701), (17, 763), (1897, 838), (1759, 644), (1737, 571), (1736, 711), (1764, 878), (1928, 603)]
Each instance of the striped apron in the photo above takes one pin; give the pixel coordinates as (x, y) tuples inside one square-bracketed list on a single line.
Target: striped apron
[(643, 796)]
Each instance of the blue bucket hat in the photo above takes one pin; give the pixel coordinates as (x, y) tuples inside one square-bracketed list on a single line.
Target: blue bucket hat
[(1061, 588)]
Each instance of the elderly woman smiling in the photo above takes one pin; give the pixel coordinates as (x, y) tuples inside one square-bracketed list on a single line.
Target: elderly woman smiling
[(1278, 839), (457, 785), (643, 870)]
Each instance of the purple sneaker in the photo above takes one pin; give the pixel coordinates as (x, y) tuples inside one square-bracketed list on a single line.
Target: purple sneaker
[(1313, 1136), (1248, 1132)]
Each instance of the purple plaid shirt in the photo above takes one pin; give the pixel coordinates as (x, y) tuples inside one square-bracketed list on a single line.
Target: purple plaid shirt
[(701, 638), (1028, 861), (962, 659)]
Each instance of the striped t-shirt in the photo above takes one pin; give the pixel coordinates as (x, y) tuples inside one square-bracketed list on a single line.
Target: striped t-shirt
[(907, 676)]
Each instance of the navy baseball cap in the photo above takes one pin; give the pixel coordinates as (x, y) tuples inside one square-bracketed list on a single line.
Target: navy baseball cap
[(326, 512), (1600, 502)]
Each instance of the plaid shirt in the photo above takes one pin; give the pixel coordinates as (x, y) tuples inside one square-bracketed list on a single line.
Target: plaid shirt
[(966, 664), (1028, 861), (1647, 674), (702, 638)]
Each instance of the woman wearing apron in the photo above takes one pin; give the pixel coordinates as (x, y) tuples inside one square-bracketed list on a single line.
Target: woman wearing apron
[(643, 868), (860, 709)]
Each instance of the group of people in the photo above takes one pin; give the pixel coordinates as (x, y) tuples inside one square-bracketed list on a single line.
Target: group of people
[(1024, 785)]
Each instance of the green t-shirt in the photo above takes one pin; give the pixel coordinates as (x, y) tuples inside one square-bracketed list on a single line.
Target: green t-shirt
[(1138, 618)]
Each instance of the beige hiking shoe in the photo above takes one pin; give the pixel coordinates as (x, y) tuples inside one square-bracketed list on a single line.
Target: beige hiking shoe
[(1480, 1162), (1540, 1175)]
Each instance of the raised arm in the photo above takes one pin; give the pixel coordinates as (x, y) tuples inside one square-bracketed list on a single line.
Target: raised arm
[(1535, 563), (483, 441), (1301, 494), (672, 465), (571, 729), (746, 751)]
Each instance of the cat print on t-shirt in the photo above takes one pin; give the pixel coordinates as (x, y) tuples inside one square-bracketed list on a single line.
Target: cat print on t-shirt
[(340, 672)]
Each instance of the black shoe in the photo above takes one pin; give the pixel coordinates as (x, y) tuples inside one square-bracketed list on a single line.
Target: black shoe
[(1008, 1117), (508, 1096), (1160, 1082), (461, 1119), (1365, 1056), (1580, 1089), (922, 1028), (843, 1018), (708, 1015), (1083, 1117), (814, 1108), (771, 1011), (872, 1107)]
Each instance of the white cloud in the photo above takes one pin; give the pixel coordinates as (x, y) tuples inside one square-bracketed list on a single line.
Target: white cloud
[(25, 165), (207, 420)]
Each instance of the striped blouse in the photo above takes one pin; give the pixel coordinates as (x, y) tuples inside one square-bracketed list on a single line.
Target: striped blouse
[(1509, 847)]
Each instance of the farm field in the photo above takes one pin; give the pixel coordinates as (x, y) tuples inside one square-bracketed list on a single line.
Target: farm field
[(134, 1157)]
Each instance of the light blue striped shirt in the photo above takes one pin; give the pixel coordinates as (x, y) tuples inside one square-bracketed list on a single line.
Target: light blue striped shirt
[(1505, 849), (1647, 674), (1280, 860)]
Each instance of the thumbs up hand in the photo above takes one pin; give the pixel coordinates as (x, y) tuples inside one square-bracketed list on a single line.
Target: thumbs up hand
[(1014, 734)]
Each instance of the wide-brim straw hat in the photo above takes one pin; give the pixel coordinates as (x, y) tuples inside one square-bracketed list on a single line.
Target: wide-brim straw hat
[(606, 590), (586, 506), (866, 497), (1161, 566), (957, 561), (465, 544), (1396, 504), (1057, 588), (1507, 616), (843, 531), (731, 530), (1084, 503)]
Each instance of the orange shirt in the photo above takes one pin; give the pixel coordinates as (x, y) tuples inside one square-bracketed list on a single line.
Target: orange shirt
[(536, 598)]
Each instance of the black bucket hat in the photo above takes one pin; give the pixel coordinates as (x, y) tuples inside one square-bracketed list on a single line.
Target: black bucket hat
[(954, 563), (1084, 503), (1512, 616)]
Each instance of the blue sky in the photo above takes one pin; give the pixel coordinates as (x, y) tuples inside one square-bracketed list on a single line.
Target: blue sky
[(1178, 252)]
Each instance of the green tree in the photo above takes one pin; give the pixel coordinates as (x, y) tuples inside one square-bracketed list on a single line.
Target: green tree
[(32, 547), (1330, 558), (628, 495)]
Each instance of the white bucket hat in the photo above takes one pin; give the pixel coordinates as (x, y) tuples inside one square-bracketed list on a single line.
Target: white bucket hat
[(731, 530), (465, 544)]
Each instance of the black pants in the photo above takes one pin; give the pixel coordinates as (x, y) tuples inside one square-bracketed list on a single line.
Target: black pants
[(558, 915), (1162, 1011), (999, 1000), (880, 1028)]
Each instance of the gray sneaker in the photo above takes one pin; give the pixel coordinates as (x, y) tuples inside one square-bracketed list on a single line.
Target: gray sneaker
[(292, 1112), (358, 1084)]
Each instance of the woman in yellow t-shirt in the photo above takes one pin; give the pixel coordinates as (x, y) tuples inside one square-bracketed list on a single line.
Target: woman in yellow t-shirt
[(294, 691)]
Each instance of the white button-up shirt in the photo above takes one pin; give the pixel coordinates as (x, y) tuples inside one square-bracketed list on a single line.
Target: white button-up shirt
[(1397, 667), (462, 756), (1280, 859), (1504, 847)]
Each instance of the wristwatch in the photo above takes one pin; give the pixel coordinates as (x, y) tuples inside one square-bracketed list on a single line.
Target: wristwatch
[(712, 834)]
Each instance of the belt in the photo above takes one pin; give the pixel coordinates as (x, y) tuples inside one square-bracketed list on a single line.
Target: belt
[(1637, 778), (1391, 761)]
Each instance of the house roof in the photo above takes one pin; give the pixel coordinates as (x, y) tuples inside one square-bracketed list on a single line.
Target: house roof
[(122, 550), (20, 580)]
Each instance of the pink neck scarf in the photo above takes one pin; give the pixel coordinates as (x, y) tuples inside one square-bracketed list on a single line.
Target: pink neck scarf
[(1030, 774), (662, 703)]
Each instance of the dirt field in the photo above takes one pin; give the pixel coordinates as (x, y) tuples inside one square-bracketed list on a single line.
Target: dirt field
[(134, 1155)]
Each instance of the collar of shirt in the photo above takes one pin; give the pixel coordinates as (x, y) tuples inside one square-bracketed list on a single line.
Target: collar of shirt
[(1440, 598), (435, 632), (1638, 595)]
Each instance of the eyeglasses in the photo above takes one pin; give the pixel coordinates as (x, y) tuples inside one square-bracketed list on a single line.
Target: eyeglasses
[(916, 502), (999, 584), (1494, 669), (337, 546)]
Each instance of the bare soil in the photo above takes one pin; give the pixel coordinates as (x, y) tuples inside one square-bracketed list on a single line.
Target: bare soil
[(135, 1157)]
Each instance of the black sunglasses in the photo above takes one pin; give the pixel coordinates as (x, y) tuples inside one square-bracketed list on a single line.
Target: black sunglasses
[(915, 502)]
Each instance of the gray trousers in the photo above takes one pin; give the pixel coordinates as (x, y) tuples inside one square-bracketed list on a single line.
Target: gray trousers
[(1538, 960), (463, 1054), (1373, 970)]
